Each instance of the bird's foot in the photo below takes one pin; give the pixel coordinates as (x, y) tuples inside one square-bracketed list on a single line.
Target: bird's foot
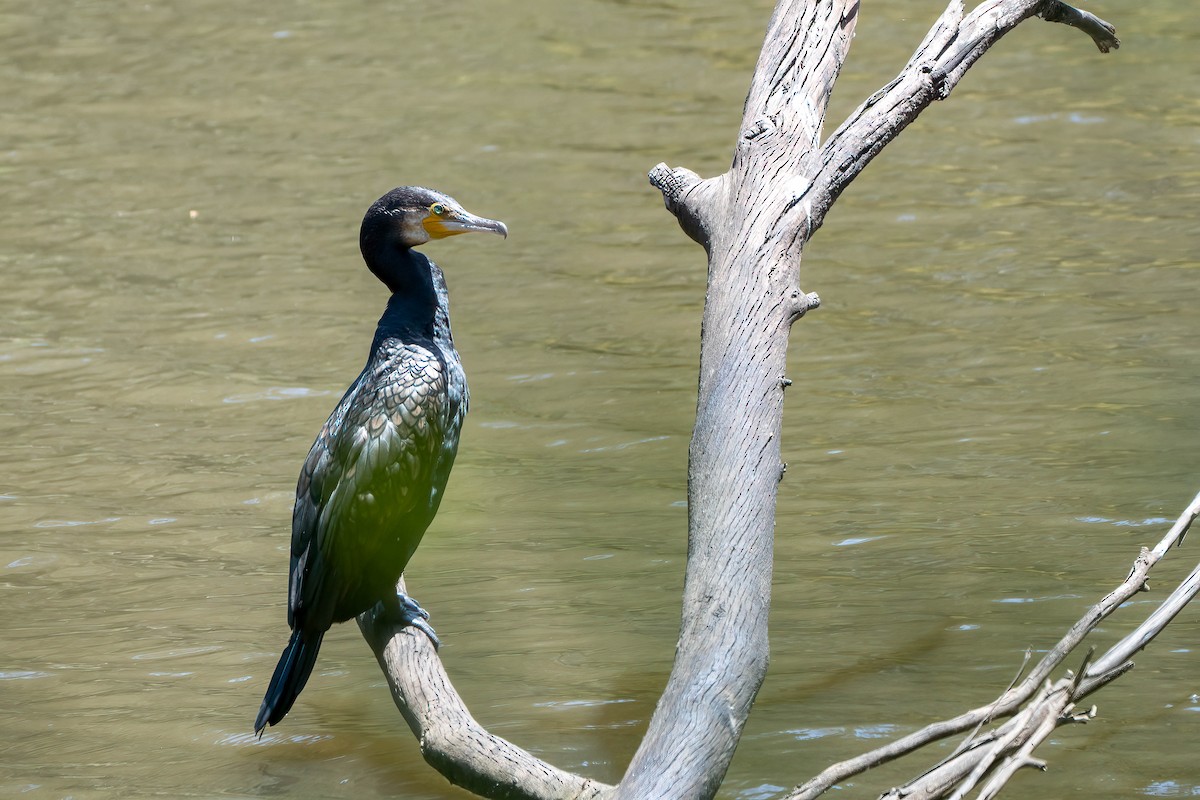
[(409, 612)]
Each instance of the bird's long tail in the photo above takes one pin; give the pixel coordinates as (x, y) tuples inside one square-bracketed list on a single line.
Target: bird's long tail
[(291, 673)]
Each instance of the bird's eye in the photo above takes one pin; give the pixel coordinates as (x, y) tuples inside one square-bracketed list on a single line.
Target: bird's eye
[(438, 209)]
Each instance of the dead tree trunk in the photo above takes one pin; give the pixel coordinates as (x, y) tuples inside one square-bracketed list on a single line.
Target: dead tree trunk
[(754, 222), (753, 232)]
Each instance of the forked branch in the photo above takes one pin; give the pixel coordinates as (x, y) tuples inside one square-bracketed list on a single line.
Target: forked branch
[(1039, 699), (753, 222)]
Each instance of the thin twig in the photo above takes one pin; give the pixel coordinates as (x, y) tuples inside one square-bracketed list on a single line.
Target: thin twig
[(1090, 677)]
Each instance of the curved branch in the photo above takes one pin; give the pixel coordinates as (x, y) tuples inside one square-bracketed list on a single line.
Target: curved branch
[(452, 742), (1103, 34)]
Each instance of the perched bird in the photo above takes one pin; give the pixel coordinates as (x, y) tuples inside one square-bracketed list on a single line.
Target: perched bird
[(375, 475)]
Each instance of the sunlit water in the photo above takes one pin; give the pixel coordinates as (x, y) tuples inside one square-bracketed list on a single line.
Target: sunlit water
[(993, 409)]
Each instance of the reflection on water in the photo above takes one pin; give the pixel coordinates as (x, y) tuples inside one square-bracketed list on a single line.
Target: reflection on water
[(993, 409)]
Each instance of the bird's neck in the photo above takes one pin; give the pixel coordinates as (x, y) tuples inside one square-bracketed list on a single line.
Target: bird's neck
[(417, 309)]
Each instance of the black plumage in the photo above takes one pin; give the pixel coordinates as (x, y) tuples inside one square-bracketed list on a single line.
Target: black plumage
[(375, 476)]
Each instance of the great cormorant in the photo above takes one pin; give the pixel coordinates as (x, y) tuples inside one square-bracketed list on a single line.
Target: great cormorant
[(375, 475)]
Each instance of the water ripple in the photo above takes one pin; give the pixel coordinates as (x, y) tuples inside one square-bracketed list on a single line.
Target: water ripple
[(277, 393), (1074, 117), (763, 792), (254, 740), (807, 734), (23, 675), (177, 652), (853, 540), (1126, 523), (1046, 599), (623, 445), (874, 731), (584, 703), (1171, 789), (71, 523)]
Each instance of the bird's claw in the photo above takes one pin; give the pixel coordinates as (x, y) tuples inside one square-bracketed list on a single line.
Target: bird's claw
[(409, 612), (410, 608), (427, 629)]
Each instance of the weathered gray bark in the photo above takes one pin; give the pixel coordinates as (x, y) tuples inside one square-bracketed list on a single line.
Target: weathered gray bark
[(753, 222), (452, 742), (734, 462)]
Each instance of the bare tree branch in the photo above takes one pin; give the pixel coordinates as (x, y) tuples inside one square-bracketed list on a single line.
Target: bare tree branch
[(1034, 692), (452, 742), (1103, 34), (952, 46), (1123, 650)]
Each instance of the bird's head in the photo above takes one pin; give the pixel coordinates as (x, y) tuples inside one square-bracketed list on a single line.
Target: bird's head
[(412, 215)]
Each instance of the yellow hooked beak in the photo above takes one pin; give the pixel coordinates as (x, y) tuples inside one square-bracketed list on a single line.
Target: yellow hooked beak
[(445, 220)]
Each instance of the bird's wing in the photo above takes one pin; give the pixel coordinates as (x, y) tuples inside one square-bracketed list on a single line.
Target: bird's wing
[(367, 480)]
